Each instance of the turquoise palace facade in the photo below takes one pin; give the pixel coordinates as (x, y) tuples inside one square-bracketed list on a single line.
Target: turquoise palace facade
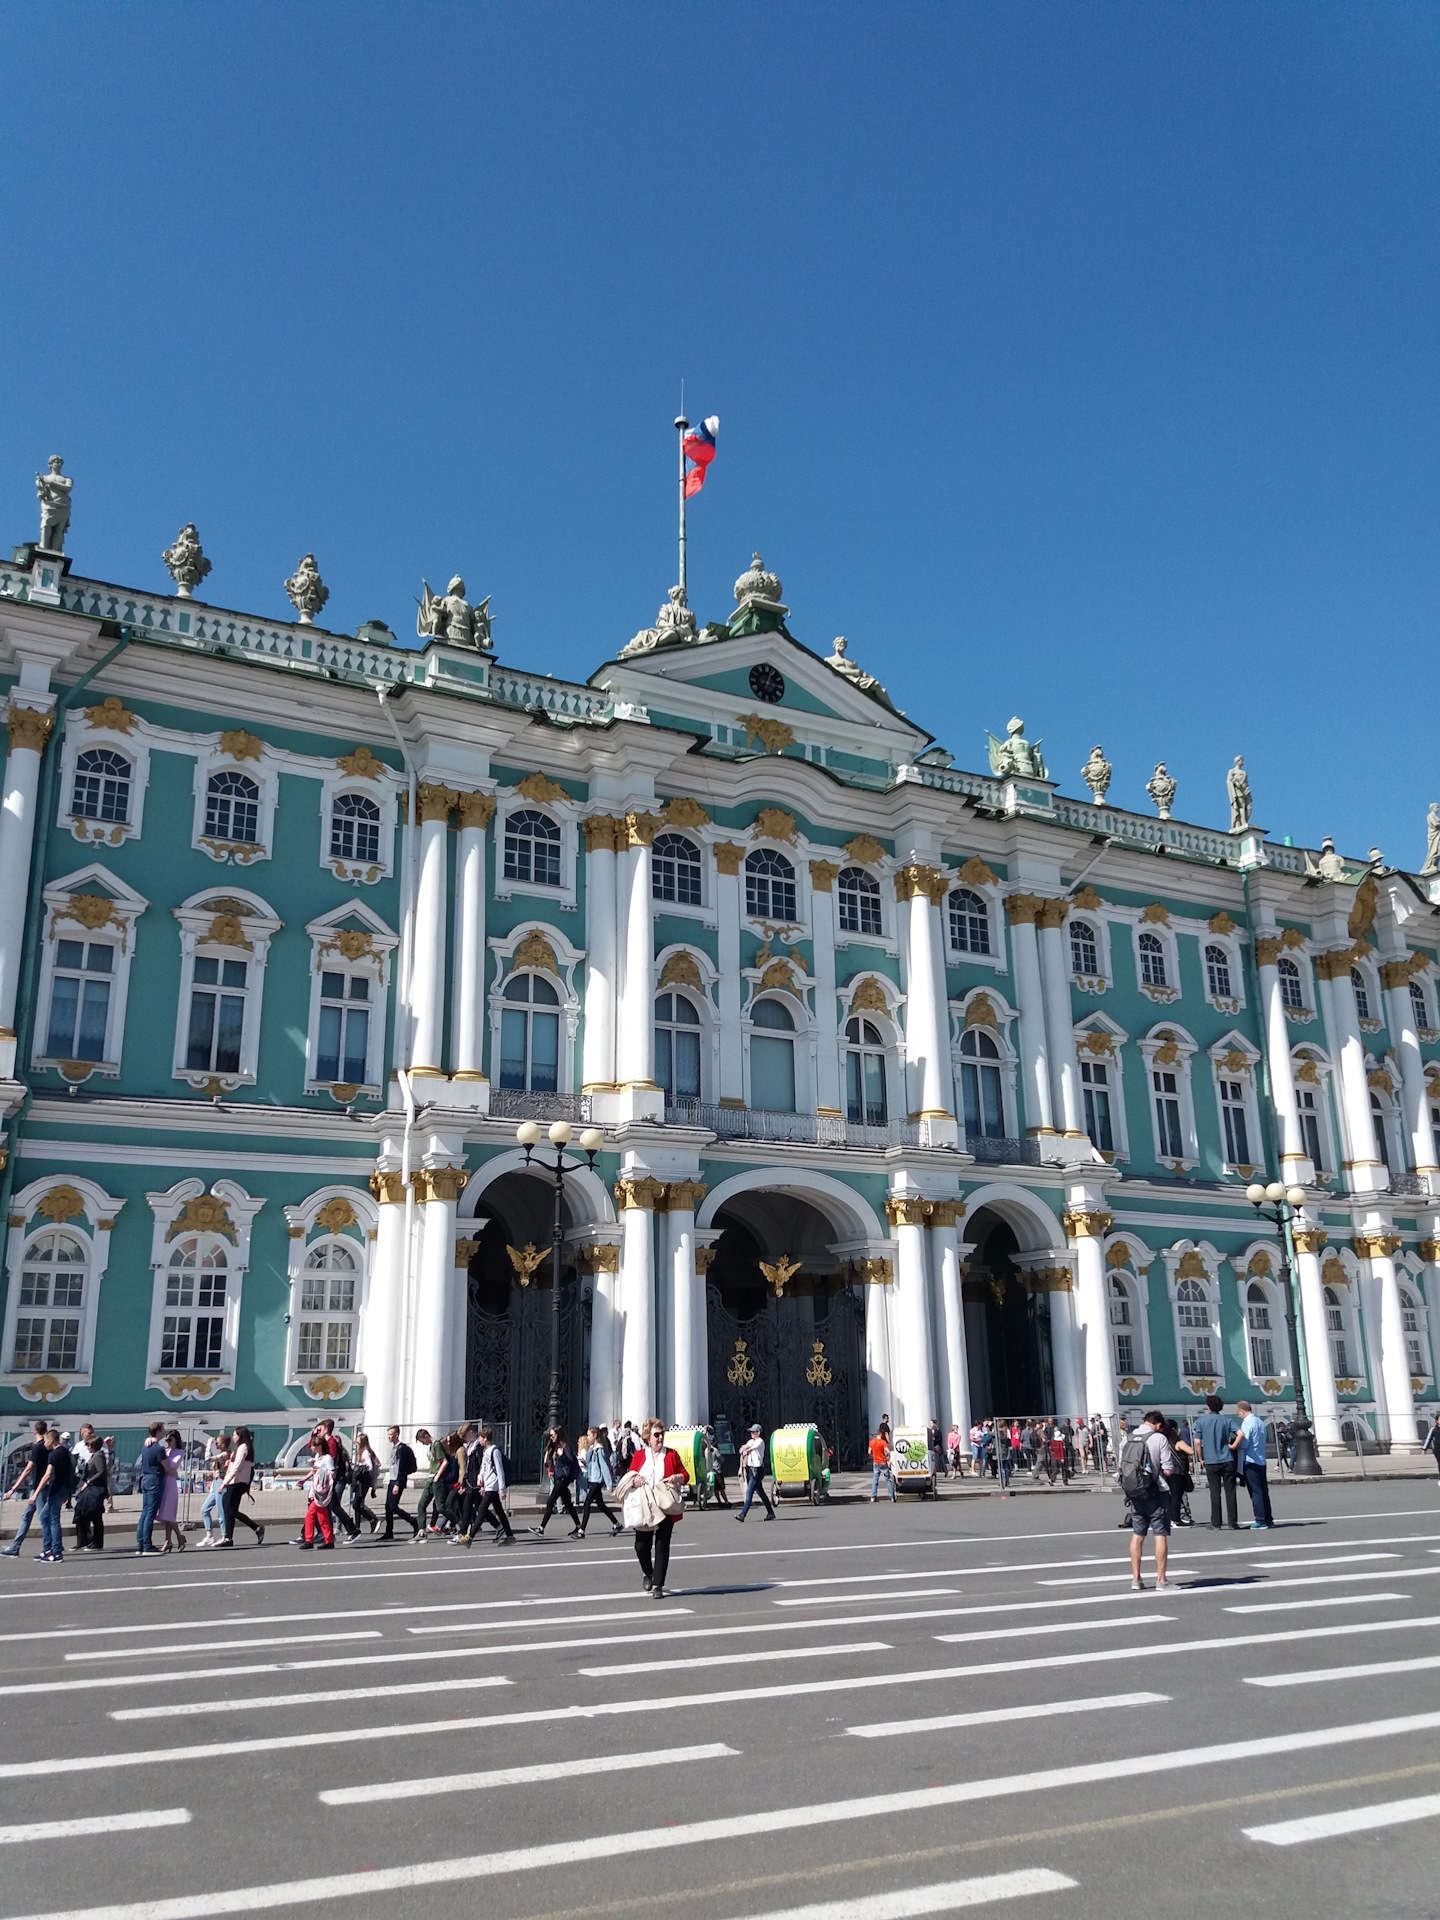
[(922, 1091)]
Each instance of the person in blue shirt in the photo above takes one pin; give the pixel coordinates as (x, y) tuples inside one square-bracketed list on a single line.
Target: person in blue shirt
[(1250, 1457), (1218, 1432), (152, 1481)]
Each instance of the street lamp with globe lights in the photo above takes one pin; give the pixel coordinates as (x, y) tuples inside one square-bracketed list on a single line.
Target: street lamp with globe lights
[(1279, 1203), (591, 1141)]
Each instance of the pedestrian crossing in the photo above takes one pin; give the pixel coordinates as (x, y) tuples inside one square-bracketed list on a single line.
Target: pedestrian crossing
[(794, 1747)]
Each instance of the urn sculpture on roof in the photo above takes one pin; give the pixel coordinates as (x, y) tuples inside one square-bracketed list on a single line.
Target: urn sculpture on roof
[(449, 616), (1096, 773), (185, 561), (308, 592), (1015, 755), (1161, 789), (756, 584)]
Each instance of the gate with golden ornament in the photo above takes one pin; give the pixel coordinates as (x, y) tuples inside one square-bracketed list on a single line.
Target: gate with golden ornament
[(799, 1358)]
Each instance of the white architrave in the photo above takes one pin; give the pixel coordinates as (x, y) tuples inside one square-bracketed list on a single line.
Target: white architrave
[(703, 999), (1169, 1049), (375, 782), (224, 923), (1257, 1265), (92, 1229), (213, 757), (1100, 1042), (505, 949), (1232, 952), (805, 1036), (892, 1032), (1196, 1264), (307, 1233), (1234, 1058), (565, 812), (132, 743), (67, 917), (219, 1220), (1127, 1265), (350, 949), (987, 1009), (1313, 1077)]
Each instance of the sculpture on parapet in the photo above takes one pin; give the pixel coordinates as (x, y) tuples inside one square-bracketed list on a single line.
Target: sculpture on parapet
[(674, 624), (53, 489), (1329, 866), (1015, 754), (449, 616), (185, 561), (1161, 789), (1237, 786), (307, 591), (1432, 839), (1096, 773)]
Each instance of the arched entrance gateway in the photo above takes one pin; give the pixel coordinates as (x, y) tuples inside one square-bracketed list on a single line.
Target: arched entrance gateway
[(788, 1345), (1007, 1320)]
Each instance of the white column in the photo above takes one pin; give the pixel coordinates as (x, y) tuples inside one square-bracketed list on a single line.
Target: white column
[(927, 1024), (467, 1020), (637, 1195), (428, 972), (437, 1188), (604, 1340), (1065, 1354), (880, 1381), (1059, 1019), (728, 857), (829, 1095), (635, 1047), (916, 1395), (1030, 998), (380, 1321), (1294, 1161), (29, 730), (687, 1303), (1405, 1033), (705, 1239), (1321, 1394), (1379, 1248), (1086, 1224), (602, 956), (1364, 1169), (467, 1240), (951, 1364)]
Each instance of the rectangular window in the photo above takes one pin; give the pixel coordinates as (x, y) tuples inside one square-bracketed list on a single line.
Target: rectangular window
[(677, 1063), (984, 1107), (1195, 1354), (1237, 1133), (1167, 1115), (79, 1000), (1125, 1353), (343, 1040), (1342, 1360), (217, 1016), (1418, 1368), (1262, 1354), (1096, 1082), (312, 1336), (1310, 1128)]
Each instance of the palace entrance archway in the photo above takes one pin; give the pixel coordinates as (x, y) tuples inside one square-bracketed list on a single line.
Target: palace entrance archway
[(1007, 1326)]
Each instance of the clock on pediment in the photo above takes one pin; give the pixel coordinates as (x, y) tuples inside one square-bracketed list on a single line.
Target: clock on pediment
[(767, 683)]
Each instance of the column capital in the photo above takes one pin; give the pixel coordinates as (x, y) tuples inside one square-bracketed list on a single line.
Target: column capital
[(475, 809), (434, 803), (873, 1271), (728, 856), (388, 1188), (439, 1183), (1398, 972), (907, 1210), (1310, 1239), (917, 880), (465, 1252), (944, 1213), (646, 1192), (1083, 1223), (639, 830), (603, 1258), (1328, 966), (602, 833), (703, 1257), (1375, 1246), (1052, 913), (823, 875), (684, 1196), (29, 728), (1023, 909)]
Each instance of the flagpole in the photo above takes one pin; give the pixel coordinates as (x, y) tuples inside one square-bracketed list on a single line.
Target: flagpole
[(682, 427)]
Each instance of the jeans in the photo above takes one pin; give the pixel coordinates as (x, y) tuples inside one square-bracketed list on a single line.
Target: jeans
[(655, 1560), (212, 1509), (1258, 1488), (754, 1484), (875, 1473), (145, 1526), (1222, 1480), (24, 1527), (51, 1506)]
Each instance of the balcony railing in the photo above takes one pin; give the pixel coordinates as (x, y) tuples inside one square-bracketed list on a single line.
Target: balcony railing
[(803, 1129), (992, 1151), (508, 1103)]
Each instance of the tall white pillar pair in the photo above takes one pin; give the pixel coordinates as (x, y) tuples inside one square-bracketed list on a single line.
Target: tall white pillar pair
[(1364, 1168), (829, 1092), (920, 890), (1321, 1394), (728, 904), (912, 1388), (1086, 1224), (637, 1196), (427, 962), (437, 1378), (952, 1375), (619, 1049), (602, 954), (29, 729), (689, 1373), (1395, 977), (1390, 1368), (467, 1017), (1023, 910), (1065, 1100)]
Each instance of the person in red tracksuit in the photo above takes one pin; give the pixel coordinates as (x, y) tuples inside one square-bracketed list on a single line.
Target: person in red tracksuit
[(655, 1464)]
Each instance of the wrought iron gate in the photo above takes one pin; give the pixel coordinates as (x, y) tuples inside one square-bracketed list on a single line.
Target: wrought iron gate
[(785, 1365), (507, 1365)]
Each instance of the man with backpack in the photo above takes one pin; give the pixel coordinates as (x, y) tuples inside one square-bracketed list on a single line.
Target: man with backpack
[(1147, 1460), (494, 1477)]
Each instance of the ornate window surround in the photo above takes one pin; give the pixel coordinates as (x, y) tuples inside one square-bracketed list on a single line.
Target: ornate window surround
[(236, 751), (116, 930), (336, 948), (993, 1013), (225, 1214), (1364, 964), (888, 1019), (685, 965), (1114, 1058), (1151, 1045), (1299, 957), (1308, 1054), (1257, 1264), (1099, 921), (879, 870), (704, 912), (1417, 1275), (991, 892), (522, 950), (218, 932), (80, 1207), (1392, 1113), (1234, 951), (383, 787), (1128, 1259), (308, 1230), (546, 797), (125, 733), (1343, 1273), (1157, 920), (1224, 1050), (1199, 1261), (805, 1036)]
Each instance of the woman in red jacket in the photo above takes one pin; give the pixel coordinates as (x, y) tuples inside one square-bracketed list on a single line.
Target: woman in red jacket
[(656, 1466)]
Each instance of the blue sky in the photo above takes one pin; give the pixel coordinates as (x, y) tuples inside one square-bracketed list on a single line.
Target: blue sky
[(1076, 360)]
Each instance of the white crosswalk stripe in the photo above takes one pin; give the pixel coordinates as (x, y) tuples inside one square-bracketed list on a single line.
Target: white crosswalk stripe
[(949, 1897), (888, 1729), (410, 1789), (1325, 1826), (87, 1825)]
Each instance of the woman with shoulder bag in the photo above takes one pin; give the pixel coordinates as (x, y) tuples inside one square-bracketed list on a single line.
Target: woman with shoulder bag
[(599, 1479), (651, 1495), (1182, 1481)]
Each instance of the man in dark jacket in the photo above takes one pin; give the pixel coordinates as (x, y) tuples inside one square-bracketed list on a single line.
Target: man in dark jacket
[(152, 1480), (402, 1467)]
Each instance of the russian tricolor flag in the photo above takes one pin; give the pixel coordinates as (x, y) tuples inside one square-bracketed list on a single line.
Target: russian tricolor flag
[(699, 446)]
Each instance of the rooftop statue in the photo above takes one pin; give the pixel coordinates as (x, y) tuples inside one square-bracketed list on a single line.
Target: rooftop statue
[(449, 616), (1096, 773), (674, 623), (1330, 866), (1015, 754), (53, 488), (867, 683), (1161, 789), (1237, 786), (1432, 839)]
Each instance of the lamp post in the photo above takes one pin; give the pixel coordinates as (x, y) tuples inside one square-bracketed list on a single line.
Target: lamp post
[(1278, 1203), (528, 1134)]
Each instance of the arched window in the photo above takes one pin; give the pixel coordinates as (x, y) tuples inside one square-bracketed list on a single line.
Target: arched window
[(772, 1057), (769, 886), (1122, 1326), (969, 922), (532, 848), (342, 1050), (981, 1092), (530, 1035), (675, 870), (1152, 960), (1192, 1310), (1290, 994), (1084, 950), (1418, 1006), (1362, 993), (354, 828), (864, 1073), (1335, 1326), (1410, 1326), (1217, 973), (859, 901), (80, 1000), (677, 1047), (232, 808), (326, 1342), (1166, 1087), (192, 1333), (1257, 1322), (1235, 1121), (102, 785), (52, 1303)]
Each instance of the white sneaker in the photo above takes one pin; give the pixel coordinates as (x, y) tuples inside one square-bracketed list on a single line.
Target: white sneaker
[(1138, 1586)]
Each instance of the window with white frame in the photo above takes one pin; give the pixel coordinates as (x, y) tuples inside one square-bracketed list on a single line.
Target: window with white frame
[(53, 1276), (1291, 993), (215, 1034), (769, 886), (969, 921), (865, 1073), (1197, 1341), (530, 1035), (1152, 960), (192, 1326), (1417, 1005), (1307, 1100), (772, 1057), (675, 872), (1217, 973), (677, 1046), (532, 848), (859, 894), (1335, 1328), (1362, 993), (326, 1339), (1435, 1120), (355, 829), (81, 980), (1234, 1118), (981, 1089), (100, 788), (1165, 1086), (1259, 1332), (232, 808), (1095, 1086), (1380, 1115), (1410, 1327), (343, 1028), (1124, 1321), (1084, 950)]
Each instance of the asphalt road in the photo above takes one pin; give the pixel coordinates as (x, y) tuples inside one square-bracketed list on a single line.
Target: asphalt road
[(855, 1713)]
